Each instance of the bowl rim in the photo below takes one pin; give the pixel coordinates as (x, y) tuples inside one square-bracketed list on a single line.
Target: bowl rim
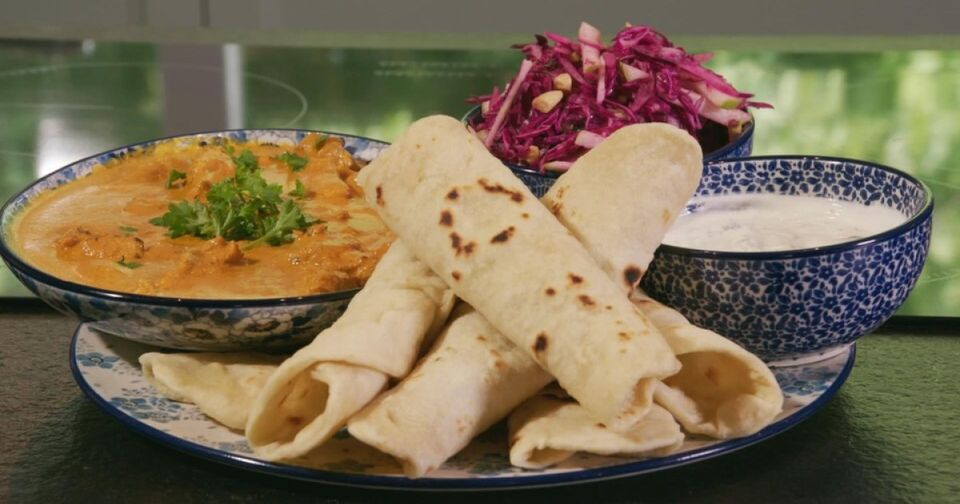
[(16, 263), (914, 220), (715, 155)]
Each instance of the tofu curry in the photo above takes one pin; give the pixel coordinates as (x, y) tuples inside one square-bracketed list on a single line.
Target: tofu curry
[(200, 221)]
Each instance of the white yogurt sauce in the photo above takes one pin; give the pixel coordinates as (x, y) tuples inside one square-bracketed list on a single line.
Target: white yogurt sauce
[(770, 222)]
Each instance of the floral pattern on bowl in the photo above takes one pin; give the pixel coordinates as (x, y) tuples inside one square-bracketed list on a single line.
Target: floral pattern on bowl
[(122, 392), (797, 306), (187, 324)]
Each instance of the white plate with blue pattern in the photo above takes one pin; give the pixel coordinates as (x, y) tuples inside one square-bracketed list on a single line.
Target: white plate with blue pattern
[(106, 369)]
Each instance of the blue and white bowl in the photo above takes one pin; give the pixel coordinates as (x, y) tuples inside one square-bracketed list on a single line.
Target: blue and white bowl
[(800, 305), (539, 183), (186, 324)]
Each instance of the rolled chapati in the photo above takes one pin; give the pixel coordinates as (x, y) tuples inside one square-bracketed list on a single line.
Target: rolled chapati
[(313, 393), (481, 230), (472, 378), (222, 385), (620, 197), (722, 390), (646, 173), (550, 427), (423, 421)]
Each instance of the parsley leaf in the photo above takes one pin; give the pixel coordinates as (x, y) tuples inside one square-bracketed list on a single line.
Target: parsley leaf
[(128, 230), (244, 207), (295, 162), (279, 229), (300, 191), (174, 177), (130, 264)]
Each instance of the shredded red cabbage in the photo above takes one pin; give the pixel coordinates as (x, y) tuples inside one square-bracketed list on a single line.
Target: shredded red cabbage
[(640, 77)]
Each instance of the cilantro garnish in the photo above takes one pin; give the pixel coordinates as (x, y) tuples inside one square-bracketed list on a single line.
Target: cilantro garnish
[(300, 191), (244, 207), (294, 161), (128, 230), (128, 264), (174, 177)]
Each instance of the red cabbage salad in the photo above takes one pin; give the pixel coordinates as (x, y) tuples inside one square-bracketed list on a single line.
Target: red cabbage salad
[(570, 94)]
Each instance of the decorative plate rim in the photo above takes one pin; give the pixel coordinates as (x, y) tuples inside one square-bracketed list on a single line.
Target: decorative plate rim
[(16, 263), (457, 484)]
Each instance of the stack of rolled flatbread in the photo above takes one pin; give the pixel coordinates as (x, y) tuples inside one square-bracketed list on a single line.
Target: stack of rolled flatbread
[(549, 329)]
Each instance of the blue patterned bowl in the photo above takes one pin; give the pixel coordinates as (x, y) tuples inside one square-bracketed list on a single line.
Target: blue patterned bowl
[(539, 183), (800, 305), (187, 324)]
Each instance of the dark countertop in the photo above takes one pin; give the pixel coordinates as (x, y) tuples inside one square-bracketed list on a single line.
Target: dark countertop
[(889, 435)]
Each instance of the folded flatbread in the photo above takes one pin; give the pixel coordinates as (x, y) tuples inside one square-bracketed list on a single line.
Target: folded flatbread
[(471, 379), (313, 393), (722, 391), (549, 428), (644, 180), (481, 230), (418, 422), (620, 198), (222, 385)]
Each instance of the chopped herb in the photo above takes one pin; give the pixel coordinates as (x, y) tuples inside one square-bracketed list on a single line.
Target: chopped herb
[(244, 207), (174, 177), (128, 230), (300, 191), (295, 162), (279, 229), (130, 264)]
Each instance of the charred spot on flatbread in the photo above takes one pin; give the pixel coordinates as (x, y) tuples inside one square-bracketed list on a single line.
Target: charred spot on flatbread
[(380, 195), (456, 242), (550, 291), (540, 344), (446, 218), (574, 278), (498, 188), (586, 300), (623, 336), (503, 236), (455, 275), (632, 275), (453, 194)]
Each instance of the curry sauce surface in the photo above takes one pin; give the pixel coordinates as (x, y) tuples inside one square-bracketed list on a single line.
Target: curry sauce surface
[(91, 230)]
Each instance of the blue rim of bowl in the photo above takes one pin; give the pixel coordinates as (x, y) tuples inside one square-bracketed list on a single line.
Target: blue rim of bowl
[(711, 157), (914, 220), (7, 254), (443, 484)]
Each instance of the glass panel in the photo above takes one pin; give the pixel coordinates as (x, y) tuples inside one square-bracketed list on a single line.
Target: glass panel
[(63, 101)]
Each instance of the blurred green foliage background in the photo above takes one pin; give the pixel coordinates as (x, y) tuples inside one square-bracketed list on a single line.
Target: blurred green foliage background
[(63, 101)]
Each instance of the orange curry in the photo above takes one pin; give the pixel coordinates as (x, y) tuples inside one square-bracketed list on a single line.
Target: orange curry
[(96, 230)]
